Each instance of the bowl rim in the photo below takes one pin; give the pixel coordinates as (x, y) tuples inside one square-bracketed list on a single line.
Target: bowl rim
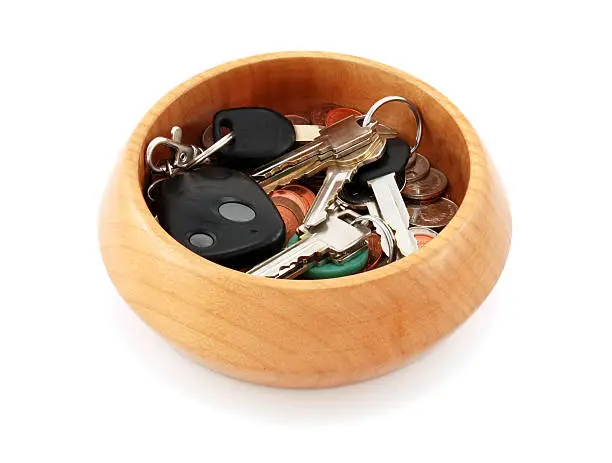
[(132, 157)]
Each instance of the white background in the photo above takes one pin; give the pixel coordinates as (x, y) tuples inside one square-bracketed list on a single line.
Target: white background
[(527, 378)]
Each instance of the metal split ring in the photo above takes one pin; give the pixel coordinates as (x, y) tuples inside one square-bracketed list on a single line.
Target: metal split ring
[(152, 187), (387, 232), (367, 120), (208, 152), (185, 156)]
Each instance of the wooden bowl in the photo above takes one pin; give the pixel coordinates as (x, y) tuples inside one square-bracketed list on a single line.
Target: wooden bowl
[(304, 333)]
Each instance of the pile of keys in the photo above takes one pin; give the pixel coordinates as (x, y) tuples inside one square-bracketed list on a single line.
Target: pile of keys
[(324, 196)]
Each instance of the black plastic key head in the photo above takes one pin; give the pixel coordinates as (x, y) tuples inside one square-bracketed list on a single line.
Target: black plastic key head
[(393, 161), (222, 215), (260, 136)]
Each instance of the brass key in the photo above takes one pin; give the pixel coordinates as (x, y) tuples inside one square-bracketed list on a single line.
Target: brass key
[(335, 141)]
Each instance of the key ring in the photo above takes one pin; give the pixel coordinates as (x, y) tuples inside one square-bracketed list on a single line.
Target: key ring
[(185, 156), (386, 230), (208, 152), (367, 120)]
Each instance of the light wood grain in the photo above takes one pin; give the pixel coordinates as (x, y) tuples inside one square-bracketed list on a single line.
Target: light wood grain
[(308, 333)]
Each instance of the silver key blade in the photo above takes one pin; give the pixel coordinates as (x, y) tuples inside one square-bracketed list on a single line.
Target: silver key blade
[(393, 211), (335, 238), (338, 173), (292, 261), (335, 178)]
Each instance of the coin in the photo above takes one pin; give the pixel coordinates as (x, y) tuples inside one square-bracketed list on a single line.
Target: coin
[(337, 114), (418, 170), (436, 214), (290, 220), (291, 210), (294, 197), (317, 116), (207, 137), (423, 235), (376, 252), (296, 119), (307, 197), (430, 187)]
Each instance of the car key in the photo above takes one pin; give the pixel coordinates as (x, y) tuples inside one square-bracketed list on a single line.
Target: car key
[(260, 135), (335, 239), (222, 215), (381, 178)]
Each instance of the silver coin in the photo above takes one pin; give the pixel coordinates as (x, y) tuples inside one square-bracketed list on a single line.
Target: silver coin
[(417, 169), (430, 187), (436, 214)]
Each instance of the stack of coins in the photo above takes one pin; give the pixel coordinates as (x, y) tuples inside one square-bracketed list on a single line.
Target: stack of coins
[(293, 202), (423, 195)]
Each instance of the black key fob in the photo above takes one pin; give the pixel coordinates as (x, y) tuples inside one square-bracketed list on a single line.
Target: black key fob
[(222, 215), (260, 135)]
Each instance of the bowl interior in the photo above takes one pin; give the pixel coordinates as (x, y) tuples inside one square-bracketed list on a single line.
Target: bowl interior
[(301, 83)]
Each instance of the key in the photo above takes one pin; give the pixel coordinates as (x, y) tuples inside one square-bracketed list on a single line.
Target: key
[(326, 269), (381, 178), (335, 239), (220, 214), (307, 133), (303, 133), (260, 135), (338, 173), (334, 142)]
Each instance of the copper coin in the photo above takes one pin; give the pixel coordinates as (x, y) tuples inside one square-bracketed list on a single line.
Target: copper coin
[(422, 240), (430, 187), (317, 116), (418, 170), (375, 252), (290, 204), (434, 215), (423, 235), (292, 196), (306, 195), (291, 221), (207, 137), (337, 114), (297, 119)]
